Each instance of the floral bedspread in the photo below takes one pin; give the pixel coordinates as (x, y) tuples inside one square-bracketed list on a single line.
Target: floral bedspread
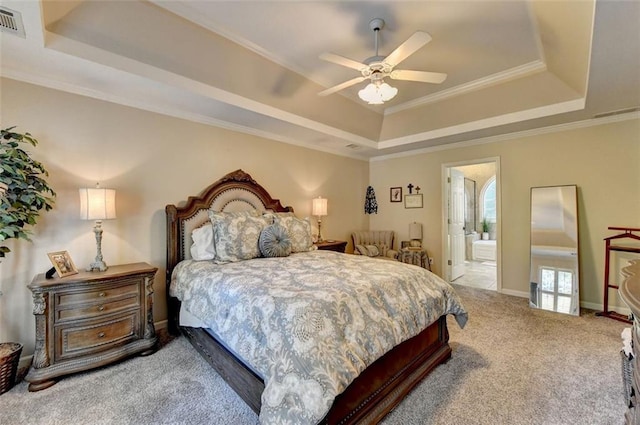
[(311, 322)]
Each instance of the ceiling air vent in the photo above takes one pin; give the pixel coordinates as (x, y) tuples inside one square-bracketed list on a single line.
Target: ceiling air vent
[(11, 22), (353, 146)]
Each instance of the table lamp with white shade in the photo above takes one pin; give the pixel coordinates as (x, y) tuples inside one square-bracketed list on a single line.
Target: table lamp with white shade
[(97, 204), (319, 209), (415, 234)]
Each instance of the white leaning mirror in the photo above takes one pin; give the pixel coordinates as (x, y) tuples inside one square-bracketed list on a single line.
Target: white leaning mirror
[(554, 275)]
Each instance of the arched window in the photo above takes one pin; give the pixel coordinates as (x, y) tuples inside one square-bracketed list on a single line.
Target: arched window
[(488, 201)]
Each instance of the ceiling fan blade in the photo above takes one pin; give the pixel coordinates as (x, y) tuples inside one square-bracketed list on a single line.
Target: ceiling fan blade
[(409, 47), (341, 86), (341, 60), (422, 76)]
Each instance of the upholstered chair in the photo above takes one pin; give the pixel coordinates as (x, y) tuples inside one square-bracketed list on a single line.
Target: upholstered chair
[(374, 243)]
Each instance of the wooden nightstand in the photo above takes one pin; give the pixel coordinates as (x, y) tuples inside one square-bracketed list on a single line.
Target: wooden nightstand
[(90, 319), (338, 246)]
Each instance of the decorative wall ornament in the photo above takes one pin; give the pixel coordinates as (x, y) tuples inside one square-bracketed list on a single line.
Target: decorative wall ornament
[(370, 203), (413, 201), (395, 194)]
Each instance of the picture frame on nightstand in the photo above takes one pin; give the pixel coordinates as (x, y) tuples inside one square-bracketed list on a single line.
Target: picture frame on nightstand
[(63, 263)]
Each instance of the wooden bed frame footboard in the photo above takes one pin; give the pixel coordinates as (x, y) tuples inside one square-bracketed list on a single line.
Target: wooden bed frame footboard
[(372, 395)]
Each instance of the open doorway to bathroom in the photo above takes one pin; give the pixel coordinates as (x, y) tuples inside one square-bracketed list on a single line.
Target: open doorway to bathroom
[(471, 213)]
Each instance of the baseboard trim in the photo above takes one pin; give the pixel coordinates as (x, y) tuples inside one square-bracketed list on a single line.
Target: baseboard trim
[(599, 307), (515, 293), (25, 361), (583, 304)]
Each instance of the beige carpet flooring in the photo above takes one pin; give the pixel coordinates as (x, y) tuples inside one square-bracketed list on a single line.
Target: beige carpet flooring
[(510, 365)]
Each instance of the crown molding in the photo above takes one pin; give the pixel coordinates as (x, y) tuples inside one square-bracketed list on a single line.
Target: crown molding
[(510, 118), (512, 136), (482, 83)]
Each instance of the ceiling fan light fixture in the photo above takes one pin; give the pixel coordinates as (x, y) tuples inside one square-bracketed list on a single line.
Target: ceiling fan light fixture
[(377, 67), (377, 94)]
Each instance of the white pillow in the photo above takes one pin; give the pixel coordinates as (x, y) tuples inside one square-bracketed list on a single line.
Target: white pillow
[(203, 247)]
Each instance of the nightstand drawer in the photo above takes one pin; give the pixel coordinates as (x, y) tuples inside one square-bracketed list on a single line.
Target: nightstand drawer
[(80, 340), (101, 293), (93, 310)]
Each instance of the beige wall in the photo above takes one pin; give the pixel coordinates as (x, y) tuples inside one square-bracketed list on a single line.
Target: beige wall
[(152, 160), (604, 161)]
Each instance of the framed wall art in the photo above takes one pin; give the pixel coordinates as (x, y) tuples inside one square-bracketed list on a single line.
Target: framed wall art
[(396, 194), (413, 201), (63, 263)]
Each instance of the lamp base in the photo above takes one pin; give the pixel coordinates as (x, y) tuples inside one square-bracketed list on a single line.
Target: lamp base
[(319, 231), (97, 266)]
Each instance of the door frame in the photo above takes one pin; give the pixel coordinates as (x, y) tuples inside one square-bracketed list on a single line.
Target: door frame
[(445, 215)]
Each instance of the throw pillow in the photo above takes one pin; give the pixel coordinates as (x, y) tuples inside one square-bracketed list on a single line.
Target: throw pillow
[(383, 248), (299, 232), (273, 216), (372, 250), (236, 236), (274, 241)]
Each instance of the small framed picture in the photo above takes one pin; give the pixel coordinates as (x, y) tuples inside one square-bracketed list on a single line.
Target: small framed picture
[(396, 194), (413, 201), (63, 263)]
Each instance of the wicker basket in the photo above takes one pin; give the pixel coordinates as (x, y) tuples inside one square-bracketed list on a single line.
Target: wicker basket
[(9, 359)]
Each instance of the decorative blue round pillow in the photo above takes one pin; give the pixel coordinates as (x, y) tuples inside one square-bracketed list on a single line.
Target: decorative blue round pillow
[(274, 241)]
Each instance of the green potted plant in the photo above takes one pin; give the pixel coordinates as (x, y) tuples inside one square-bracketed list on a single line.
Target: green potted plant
[(24, 193), (486, 227)]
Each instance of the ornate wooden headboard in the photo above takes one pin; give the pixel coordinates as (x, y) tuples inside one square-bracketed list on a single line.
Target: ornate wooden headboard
[(236, 191)]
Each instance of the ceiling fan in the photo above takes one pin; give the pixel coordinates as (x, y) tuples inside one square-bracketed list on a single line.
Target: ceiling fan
[(377, 68)]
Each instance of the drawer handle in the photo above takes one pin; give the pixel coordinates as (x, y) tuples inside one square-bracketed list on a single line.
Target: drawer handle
[(102, 294), (101, 308), (101, 335)]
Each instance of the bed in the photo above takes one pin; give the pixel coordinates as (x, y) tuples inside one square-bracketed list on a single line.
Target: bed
[(367, 397)]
